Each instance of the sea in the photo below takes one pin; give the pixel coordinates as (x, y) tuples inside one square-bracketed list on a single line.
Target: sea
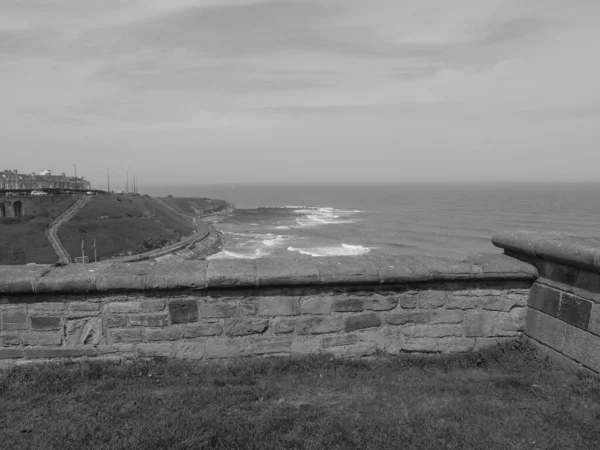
[(444, 219)]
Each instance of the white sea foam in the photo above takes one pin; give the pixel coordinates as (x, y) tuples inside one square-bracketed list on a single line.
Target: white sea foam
[(342, 250), (227, 254)]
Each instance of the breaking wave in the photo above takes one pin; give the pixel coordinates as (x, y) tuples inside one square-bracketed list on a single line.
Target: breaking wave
[(342, 250)]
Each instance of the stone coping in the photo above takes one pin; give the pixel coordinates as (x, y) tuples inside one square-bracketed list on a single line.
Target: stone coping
[(107, 277), (563, 248)]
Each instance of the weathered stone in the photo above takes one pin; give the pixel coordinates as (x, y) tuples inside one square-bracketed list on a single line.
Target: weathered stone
[(164, 350), (588, 281), (545, 329), (360, 321), (378, 302), (126, 335), (217, 309), (445, 316), (123, 307), (116, 321), (497, 266), (404, 317), (594, 325), (116, 280), (318, 325), (42, 338), (10, 353), (243, 326), (183, 311), (230, 273), (348, 304), (480, 324), (83, 309), (346, 270), (431, 299), (424, 344), (149, 320), (403, 269), (184, 275), (286, 272), (558, 272), (37, 353), (42, 309), (228, 348), (307, 345), (436, 331), (162, 334), (339, 340), (545, 299), (506, 326), (316, 305), (582, 347), (248, 306), (461, 300), (194, 330), (408, 300), (497, 303), (14, 317), (275, 344), (45, 323), (9, 339), (575, 310), (150, 305), (357, 350), (518, 315), (280, 325), (84, 331), (456, 344), (278, 306), (20, 279), (190, 350)]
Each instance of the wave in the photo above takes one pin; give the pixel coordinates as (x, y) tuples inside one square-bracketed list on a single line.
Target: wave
[(227, 254), (342, 250)]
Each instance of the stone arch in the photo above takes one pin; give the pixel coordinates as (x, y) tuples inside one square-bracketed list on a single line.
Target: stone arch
[(18, 209)]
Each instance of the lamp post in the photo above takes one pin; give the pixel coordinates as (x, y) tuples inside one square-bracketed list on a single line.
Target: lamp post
[(107, 180), (127, 174), (75, 165)]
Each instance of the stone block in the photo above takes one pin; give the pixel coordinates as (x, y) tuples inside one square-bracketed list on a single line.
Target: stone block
[(194, 330), (594, 325), (217, 309), (190, 350), (278, 306), (348, 304), (150, 305), (404, 269), (357, 350), (583, 347), (557, 272), (307, 345), (13, 317), (181, 275), (228, 273), (436, 331), (456, 345), (421, 345), (244, 326), (575, 310), (518, 316), (275, 344), (588, 281), (162, 334), (183, 311), (84, 331), (45, 323), (165, 350), (518, 298), (346, 270), (360, 321), (125, 335), (116, 281), (123, 307), (20, 279), (83, 309), (318, 325), (545, 299), (286, 272), (229, 348), (404, 317), (280, 325), (116, 321), (461, 300), (338, 340), (44, 309), (506, 326), (42, 338), (316, 305), (496, 303), (377, 302), (39, 353), (9, 339), (408, 300), (545, 329), (149, 320), (248, 306), (480, 324), (445, 316), (10, 353), (431, 299)]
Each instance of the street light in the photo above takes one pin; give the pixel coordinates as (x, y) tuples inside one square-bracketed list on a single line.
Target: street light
[(107, 180)]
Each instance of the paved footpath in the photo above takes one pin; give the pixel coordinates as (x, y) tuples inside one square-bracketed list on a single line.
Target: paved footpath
[(52, 230)]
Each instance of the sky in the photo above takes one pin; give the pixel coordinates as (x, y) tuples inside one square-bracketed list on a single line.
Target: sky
[(236, 91)]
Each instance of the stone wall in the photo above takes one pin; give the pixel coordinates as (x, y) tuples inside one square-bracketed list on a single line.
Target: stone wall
[(30, 204), (227, 309), (564, 303)]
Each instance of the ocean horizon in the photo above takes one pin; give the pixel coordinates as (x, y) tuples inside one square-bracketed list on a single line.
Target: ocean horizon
[(444, 219)]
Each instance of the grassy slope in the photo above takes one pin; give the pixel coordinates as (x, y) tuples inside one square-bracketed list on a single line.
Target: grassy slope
[(23, 240), (508, 398), (196, 206), (122, 224)]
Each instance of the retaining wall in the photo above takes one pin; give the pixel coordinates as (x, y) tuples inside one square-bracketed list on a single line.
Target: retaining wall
[(345, 306), (564, 303)]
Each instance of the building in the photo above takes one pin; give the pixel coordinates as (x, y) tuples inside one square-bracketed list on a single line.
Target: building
[(11, 179)]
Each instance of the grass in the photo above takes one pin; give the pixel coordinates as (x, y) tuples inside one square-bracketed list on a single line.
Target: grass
[(505, 398), (23, 240), (123, 224)]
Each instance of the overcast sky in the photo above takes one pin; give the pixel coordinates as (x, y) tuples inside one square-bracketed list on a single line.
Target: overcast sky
[(301, 90)]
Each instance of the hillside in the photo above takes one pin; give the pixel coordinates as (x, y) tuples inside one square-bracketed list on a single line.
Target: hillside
[(123, 224), (196, 206), (23, 240)]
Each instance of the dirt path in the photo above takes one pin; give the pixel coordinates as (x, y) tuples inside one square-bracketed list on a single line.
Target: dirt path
[(52, 230)]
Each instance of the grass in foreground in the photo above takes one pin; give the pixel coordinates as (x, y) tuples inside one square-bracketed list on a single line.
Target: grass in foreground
[(505, 398)]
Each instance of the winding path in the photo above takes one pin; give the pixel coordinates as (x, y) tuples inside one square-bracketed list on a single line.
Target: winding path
[(52, 230)]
